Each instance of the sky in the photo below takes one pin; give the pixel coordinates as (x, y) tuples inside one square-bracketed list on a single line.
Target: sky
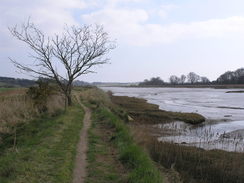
[(154, 38)]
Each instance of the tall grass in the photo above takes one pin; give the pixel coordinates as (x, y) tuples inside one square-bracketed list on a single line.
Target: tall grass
[(16, 107), (142, 169), (46, 149), (193, 163)]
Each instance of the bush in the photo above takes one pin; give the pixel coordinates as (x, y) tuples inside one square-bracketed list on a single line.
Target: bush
[(39, 94)]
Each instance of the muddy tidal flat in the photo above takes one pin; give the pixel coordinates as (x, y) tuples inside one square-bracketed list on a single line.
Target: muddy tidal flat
[(224, 111)]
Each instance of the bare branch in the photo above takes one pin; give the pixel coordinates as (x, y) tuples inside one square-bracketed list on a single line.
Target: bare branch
[(78, 50)]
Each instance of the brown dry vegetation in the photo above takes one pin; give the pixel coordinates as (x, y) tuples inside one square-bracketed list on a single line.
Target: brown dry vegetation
[(194, 164), (191, 164), (143, 112), (198, 165), (16, 107), (113, 155), (177, 163)]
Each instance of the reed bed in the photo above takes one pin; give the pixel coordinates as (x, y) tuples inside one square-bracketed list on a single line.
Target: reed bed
[(198, 165), (16, 108)]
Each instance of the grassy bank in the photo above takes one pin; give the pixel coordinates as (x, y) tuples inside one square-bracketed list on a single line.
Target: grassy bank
[(143, 112), (6, 89), (198, 165), (113, 155), (16, 108), (194, 165), (45, 149), (103, 157)]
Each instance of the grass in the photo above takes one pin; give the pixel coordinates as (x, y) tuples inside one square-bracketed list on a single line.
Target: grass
[(113, 155), (45, 149), (16, 108), (141, 168), (143, 112), (6, 89), (103, 163), (195, 165), (198, 165)]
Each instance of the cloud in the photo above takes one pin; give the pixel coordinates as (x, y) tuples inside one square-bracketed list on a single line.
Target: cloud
[(116, 2), (213, 28), (121, 23), (128, 24), (49, 16), (42, 12), (133, 27), (164, 10)]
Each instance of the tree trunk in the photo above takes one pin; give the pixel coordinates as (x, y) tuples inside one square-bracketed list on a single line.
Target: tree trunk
[(69, 99)]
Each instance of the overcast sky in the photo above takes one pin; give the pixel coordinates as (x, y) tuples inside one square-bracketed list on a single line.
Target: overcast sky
[(154, 37)]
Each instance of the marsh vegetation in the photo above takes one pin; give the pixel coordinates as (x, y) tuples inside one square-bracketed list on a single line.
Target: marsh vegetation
[(222, 129), (170, 148)]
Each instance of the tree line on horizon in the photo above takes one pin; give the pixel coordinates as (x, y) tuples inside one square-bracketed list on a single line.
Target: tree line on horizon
[(229, 77), (9, 82)]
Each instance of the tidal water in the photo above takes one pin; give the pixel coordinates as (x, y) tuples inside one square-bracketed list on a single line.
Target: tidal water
[(224, 112)]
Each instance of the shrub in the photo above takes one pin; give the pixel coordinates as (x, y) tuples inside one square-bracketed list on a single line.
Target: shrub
[(40, 94)]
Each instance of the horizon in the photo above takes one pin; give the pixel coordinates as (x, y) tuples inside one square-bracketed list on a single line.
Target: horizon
[(129, 82), (154, 39)]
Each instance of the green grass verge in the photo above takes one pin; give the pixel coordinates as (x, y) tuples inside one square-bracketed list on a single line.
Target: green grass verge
[(141, 168), (46, 150), (102, 164), (6, 89)]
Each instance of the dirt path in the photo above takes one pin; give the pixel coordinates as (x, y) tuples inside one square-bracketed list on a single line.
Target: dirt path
[(82, 147)]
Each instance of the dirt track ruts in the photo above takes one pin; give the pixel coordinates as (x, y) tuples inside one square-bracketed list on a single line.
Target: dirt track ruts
[(79, 172)]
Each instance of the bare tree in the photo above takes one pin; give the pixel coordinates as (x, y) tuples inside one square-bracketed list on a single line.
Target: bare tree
[(77, 51), (205, 80), (193, 77), (174, 80), (182, 79), (232, 77), (154, 81)]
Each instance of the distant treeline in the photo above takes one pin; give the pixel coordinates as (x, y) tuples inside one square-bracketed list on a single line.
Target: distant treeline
[(232, 77), (229, 77), (12, 82), (9, 82)]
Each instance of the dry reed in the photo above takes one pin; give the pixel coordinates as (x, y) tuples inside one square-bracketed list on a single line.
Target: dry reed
[(16, 107)]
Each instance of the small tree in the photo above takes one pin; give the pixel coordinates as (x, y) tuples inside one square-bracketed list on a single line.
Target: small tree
[(182, 79), (174, 80), (193, 77), (205, 80), (77, 51), (154, 81), (40, 94)]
